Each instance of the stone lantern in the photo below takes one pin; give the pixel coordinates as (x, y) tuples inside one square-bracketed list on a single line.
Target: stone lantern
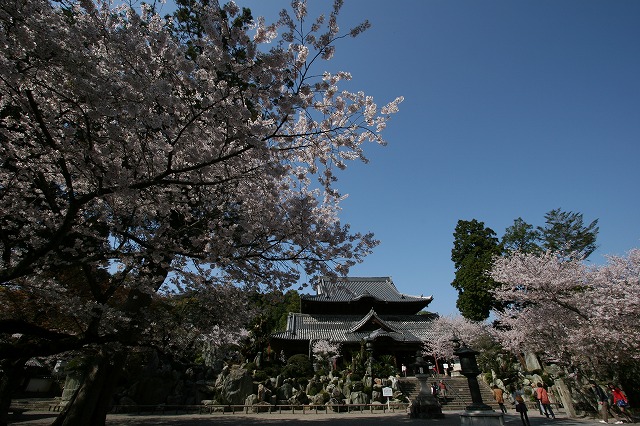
[(478, 413), (369, 350), (425, 406)]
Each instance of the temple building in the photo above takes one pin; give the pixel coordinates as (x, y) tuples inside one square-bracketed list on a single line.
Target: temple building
[(357, 311)]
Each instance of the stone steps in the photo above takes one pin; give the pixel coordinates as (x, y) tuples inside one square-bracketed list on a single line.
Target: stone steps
[(458, 395)]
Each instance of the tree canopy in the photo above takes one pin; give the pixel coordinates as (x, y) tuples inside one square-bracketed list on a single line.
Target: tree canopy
[(582, 316), (141, 158), (565, 234), (474, 248), (521, 236)]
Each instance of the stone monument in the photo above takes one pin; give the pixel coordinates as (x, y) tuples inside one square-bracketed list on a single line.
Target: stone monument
[(425, 406)]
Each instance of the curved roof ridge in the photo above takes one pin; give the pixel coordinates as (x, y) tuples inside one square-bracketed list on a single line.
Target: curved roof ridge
[(405, 295), (372, 314)]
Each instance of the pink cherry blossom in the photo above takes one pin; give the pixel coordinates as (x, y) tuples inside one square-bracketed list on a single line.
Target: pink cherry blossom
[(582, 315)]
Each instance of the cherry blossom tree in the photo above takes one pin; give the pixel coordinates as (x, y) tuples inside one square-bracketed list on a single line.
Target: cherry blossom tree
[(584, 316), (140, 160), (444, 329), (323, 351)]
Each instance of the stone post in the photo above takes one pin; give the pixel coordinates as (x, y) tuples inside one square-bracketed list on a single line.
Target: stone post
[(565, 397)]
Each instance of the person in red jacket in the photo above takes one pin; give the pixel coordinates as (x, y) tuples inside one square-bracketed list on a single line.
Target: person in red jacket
[(543, 396), (620, 400)]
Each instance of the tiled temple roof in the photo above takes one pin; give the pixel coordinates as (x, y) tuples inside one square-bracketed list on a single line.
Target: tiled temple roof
[(355, 288), (355, 328), (358, 295)]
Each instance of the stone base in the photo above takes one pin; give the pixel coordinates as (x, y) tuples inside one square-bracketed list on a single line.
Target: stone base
[(426, 408), (481, 418)]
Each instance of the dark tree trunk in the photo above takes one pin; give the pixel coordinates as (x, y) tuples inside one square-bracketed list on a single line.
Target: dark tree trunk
[(90, 404), (12, 371)]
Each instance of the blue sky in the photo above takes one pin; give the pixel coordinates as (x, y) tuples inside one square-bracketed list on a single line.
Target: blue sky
[(512, 108)]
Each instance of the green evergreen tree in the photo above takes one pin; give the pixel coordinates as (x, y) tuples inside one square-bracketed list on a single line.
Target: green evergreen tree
[(474, 248), (566, 234), (273, 309), (521, 236)]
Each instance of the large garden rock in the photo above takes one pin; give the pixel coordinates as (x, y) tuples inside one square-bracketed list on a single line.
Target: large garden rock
[(337, 395), (313, 387), (301, 397), (251, 399), (346, 388), (357, 386), (531, 361), (236, 386), (262, 392), (368, 381), (223, 375), (279, 381), (336, 404), (318, 399), (358, 397), (285, 391)]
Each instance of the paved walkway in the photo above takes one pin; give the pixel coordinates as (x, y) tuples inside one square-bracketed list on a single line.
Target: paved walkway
[(299, 419)]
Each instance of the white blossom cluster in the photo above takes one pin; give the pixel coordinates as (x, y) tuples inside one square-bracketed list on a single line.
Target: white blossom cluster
[(324, 349), (134, 159), (447, 331)]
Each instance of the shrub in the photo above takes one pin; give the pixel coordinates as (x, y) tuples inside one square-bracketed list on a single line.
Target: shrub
[(325, 397), (314, 388), (298, 366), (381, 369), (273, 370), (322, 372), (260, 376)]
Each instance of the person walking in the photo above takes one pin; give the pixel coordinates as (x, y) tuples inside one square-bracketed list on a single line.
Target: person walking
[(537, 401), (498, 394), (434, 389), (443, 389), (603, 401), (543, 396), (521, 408), (621, 401)]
